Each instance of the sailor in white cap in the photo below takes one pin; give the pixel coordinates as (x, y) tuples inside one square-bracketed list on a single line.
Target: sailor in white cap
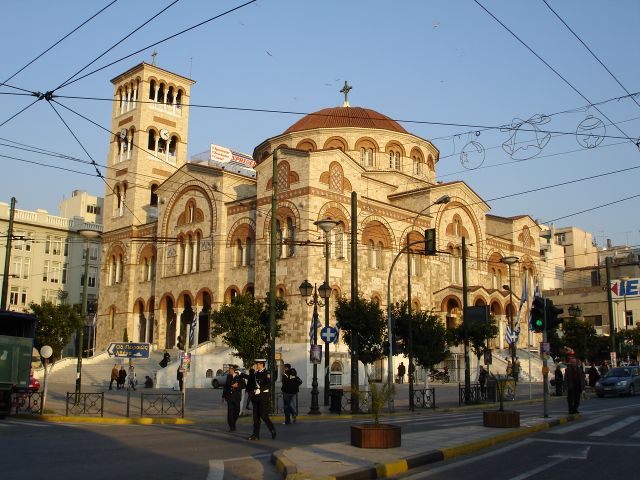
[(260, 400)]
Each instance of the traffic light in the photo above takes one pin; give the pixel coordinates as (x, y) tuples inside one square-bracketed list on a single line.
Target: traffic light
[(552, 315), (430, 241), (536, 323)]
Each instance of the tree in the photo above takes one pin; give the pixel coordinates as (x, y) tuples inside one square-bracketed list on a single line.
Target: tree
[(365, 319), (479, 334), (244, 326), (429, 335), (56, 325), (581, 337)]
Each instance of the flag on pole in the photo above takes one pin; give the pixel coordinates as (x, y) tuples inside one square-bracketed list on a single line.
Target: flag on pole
[(512, 336), (315, 323)]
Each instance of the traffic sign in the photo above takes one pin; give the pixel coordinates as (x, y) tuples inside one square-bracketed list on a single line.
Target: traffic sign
[(329, 334), (129, 350)]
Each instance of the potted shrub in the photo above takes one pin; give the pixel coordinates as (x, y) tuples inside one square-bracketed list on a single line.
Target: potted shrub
[(376, 434), (501, 418)]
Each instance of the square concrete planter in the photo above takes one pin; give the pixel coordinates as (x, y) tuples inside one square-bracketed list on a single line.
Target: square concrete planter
[(375, 436), (501, 419)]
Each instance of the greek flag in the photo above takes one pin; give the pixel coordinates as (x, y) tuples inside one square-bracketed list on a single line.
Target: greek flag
[(192, 331), (512, 336), (315, 323)]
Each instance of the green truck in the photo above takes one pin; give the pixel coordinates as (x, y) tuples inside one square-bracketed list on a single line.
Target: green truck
[(17, 334)]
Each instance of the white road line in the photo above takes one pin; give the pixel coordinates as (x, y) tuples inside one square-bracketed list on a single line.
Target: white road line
[(616, 426), (578, 425), (216, 470), (539, 469), (31, 424)]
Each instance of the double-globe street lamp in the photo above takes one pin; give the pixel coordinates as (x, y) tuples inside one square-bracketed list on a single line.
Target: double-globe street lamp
[(307, 290), (509, 261)]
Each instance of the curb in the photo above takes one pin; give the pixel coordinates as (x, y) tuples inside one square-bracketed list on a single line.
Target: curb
[(109, 420), (289, 470)]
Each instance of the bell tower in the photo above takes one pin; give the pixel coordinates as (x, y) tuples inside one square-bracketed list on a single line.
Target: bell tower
[(150, 124)]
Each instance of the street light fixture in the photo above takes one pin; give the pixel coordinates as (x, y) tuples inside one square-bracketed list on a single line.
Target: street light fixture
[(575, 311), (306, 290), (87, 234), (326, 225), (509, 261), (443, 200)]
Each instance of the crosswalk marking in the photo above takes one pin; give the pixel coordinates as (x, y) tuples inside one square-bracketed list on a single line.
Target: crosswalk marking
[(579, 424), (616, 426)]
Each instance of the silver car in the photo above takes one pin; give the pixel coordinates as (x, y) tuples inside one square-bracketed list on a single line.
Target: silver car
[(619, 381)]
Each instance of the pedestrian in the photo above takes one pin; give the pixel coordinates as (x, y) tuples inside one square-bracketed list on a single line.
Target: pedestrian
[(559, 381), (166, 358), (516, 370), (290, 387), (482, 380), (133, 381), (401, 371), (148, 382), (180, 377), (114, 376), (260, 400), (604, 368), (594, 375), (509, 369), (122, 377), (574, 381), (232, 395)]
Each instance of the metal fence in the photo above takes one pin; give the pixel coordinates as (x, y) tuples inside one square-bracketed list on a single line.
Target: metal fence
[(27, 401), (85, 404), (364, 401), (162, 405), (425, 398), (478, 394)]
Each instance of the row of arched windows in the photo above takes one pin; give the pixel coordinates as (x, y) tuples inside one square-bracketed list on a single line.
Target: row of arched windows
[(164, 148), (120, 194), (244, 252), (124, 145), (116, 268), (189, 252), (128, 96), (165, 98)]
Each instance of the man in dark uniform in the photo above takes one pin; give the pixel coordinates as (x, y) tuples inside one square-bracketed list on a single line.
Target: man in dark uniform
[(232, 394), (260, 400)]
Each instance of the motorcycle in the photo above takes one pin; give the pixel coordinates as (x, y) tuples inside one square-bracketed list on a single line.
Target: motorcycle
[(439, 375)]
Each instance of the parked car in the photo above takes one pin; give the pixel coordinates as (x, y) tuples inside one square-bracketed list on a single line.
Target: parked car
[(221, 378), (619, 381), (34, 383)]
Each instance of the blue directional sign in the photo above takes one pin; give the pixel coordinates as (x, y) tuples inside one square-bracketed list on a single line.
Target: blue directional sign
[(329, 334), (129, 350)]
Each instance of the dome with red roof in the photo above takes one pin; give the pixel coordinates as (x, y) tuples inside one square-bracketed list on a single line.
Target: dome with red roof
[(344, 117)]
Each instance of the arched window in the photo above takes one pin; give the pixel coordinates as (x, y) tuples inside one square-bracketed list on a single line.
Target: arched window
[(153, 200), (161, 93), (120, 101), (152, 90), (132, 131), (179, 99), (371, 254), (380, 256), (151, 144), (112, 270), (170, 96), (162, 146), (172, 147), (494, 279), (394, 160), (120, 269), (339, 241), (291, 237), (238, 254), (249, 251)]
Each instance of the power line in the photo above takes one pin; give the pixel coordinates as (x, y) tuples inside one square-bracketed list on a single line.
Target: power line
[(59, 41), (553, 69), (590, 51), (19, 112), (162, 41), (149, 20)]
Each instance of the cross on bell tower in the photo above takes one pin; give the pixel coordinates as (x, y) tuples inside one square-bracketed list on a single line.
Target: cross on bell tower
[(346, 89)]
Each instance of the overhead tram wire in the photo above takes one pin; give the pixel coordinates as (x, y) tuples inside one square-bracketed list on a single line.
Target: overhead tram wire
[(146, 22), (635, 141), (20, 112), (590, 51), (60, 40), (93, 162), (160, 41)]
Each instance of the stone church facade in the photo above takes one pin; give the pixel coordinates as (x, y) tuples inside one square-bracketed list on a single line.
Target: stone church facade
[(182, 237)]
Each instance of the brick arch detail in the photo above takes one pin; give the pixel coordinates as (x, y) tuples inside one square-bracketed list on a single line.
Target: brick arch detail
[(191, 186), (200, 296), (395, 144), (237, 224), (282, 205), (335, 211), (390, 237), (366, 142), (181, 295), (457, 203), (330, 143)]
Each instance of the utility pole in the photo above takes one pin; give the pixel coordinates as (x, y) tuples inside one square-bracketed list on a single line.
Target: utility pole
[(7, 257), (272, 277), (545, 368), (612, 326), (467, 370), (355, 381)]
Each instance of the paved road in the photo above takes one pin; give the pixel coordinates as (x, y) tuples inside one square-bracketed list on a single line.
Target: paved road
[(602, 444)]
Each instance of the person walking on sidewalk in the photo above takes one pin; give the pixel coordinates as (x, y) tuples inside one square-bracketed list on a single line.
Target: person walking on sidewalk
[(401, 371), (559, 381), (133, 380), (122, 377), (482, 380), (260, 400), (114, 376), (290, 387), (574, 382), (232, 395)]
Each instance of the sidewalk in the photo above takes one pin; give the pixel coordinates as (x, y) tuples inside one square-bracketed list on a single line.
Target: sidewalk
[(341, 461)]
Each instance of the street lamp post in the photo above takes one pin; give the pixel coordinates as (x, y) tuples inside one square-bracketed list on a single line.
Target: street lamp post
[(326, 225), (440, 201), (87, 234), (307, 290), (512, 344)]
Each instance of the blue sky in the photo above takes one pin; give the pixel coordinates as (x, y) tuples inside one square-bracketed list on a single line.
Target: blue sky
[(426, 63)]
